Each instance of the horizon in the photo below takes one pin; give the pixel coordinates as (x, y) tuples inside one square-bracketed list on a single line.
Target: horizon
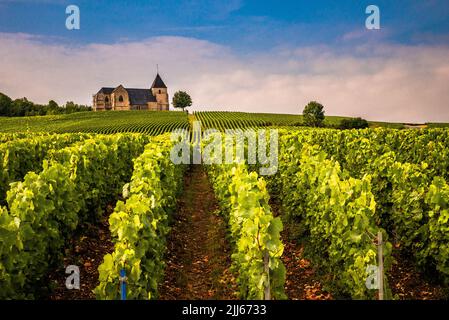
[(246, 56)]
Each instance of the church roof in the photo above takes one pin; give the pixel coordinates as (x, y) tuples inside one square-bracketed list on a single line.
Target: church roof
[(158, 83), (106, 90), (140, 96)]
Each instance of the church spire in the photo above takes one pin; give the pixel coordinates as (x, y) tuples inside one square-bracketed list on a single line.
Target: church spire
[(158, 83)]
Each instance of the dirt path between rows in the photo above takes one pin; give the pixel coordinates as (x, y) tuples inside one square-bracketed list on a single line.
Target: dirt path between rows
[(198, 257), (301, 281), (86, 250)]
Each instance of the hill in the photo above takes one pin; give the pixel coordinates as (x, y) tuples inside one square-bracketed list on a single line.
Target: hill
[(156, 122), (153, 123)]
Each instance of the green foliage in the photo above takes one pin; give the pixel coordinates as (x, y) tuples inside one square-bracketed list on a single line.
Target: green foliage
[(353, 123), (419, 215), (222, 120), (52, 104), (437, 125), (5, 104), (408, 211), (23, 107), (182, 100), (111, 168), (336, 215), (254, 231), (139, 226), (5, 137), (21, 155), (69, 107), (401, 165), (438, 200), (313, 114), (45, 208), (151, 123)]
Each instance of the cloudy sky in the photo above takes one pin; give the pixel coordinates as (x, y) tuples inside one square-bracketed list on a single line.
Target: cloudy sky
[(258, 56)]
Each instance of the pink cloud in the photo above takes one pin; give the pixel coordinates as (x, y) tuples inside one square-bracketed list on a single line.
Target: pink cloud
[(378, 82)]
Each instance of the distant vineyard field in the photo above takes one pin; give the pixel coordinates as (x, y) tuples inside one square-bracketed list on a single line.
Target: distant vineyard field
[(151, 123), (223, 120), (155, 123)]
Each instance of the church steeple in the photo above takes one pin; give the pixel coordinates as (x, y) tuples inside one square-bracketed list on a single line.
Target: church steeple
[(159, 91), (158, 83)]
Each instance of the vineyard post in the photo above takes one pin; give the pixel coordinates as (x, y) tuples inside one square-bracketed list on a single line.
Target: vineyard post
[(122, 279), (380, 272), (266, 260)]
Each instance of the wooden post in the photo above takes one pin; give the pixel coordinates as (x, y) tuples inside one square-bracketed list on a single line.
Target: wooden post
[(266, 261), (380, 271)]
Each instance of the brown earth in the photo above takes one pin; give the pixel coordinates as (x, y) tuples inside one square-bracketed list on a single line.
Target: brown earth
[(302, 282), (86, 251), (198, 257), (406, 283)]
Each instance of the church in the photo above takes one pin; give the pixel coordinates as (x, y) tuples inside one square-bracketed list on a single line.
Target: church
[(121, 98)]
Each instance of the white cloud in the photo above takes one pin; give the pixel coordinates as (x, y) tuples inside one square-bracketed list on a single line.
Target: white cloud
[(379, 82)]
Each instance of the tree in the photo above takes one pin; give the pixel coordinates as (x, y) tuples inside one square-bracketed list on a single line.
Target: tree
[(51, 108), (181, 100), (70, 107), (20, 107), (52, 104), (24, 107), (5, 105), (314, 114), (354, 123)]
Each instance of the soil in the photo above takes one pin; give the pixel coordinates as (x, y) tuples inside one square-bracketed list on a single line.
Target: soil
[(408, 284), (86, 251), (302, 282), (198, 257)]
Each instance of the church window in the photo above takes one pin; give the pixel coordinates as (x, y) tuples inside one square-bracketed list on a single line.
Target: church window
[(120, 99), (160, 91), (106, 100)]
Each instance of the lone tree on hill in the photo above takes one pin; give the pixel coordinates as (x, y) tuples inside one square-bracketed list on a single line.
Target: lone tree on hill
[(181, 99), (313, 114)]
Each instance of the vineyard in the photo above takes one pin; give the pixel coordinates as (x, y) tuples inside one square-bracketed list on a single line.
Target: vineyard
[(150, 123), (154, 123), (339, 188), (222, 120), (310, 231)]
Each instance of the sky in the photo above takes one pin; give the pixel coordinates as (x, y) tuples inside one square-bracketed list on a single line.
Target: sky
[(236, 55)]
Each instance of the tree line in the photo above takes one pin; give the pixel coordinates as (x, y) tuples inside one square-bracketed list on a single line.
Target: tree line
[(23, 107)]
